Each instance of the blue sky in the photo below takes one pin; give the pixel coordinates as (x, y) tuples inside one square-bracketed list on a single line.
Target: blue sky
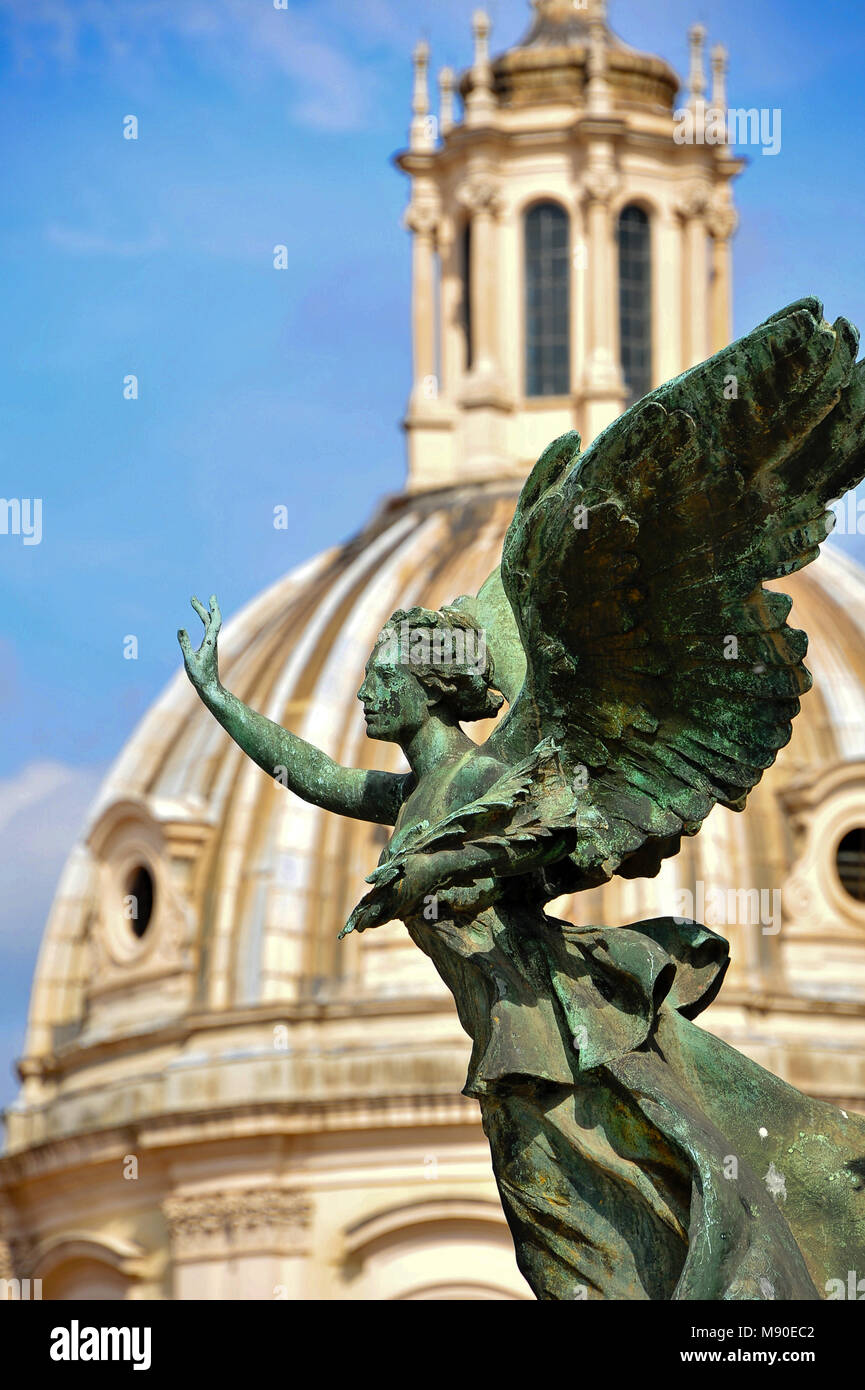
[(260, 126)]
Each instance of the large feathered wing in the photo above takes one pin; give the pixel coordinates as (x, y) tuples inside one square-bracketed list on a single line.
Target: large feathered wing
[(648, 670), (654, 657)]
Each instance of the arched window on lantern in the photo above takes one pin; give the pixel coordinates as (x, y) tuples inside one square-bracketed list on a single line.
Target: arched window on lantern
[(466, 266), (548, 300), (635, 300)]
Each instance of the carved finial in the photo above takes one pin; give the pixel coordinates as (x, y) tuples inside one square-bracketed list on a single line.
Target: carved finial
[(422, 126), (447, 87), (697, 81), (481, 26), (420, 102), (598, 89), (719, 77), (480, 102), (719, 89)]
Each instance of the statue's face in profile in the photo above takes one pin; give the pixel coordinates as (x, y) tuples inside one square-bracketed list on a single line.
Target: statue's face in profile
[(395, 704)]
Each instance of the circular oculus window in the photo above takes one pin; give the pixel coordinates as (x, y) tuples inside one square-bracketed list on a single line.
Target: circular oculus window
[(850, 863), (138, 900)]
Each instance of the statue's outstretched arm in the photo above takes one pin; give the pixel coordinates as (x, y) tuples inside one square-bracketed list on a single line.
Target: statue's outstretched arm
[(296, 764)]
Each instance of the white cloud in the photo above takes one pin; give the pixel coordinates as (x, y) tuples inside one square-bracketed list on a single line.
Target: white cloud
[(83, 243), (43, 810), (330, 85)]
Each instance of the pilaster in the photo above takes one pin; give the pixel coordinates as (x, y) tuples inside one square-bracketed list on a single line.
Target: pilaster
[(603, 393), (693, 207)]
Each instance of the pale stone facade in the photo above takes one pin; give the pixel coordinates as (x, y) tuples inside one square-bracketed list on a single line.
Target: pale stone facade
[(218, 1101)]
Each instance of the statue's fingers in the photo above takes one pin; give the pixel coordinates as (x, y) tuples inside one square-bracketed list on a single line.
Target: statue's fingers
[(201, 611), (215, 614), (185, 645)]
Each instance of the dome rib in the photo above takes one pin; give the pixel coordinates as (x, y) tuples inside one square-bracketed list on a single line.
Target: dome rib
[(249, 787), (294, 845)]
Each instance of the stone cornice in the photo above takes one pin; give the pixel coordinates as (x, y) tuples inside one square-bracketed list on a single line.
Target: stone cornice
[(649, 131), (333, 1102), (274, 1120), (300, 1082), (73, 1055)]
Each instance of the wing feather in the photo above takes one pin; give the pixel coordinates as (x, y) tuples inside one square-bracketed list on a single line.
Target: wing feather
[(653, 654)]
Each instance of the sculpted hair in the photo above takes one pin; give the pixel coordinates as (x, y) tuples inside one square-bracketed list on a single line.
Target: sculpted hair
[(466, 688)]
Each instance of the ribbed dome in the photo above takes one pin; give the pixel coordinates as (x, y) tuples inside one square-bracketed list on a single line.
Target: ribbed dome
[(550, 65), (271, 880)]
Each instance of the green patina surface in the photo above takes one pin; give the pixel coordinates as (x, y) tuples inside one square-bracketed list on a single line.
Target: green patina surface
[(637, 1156)]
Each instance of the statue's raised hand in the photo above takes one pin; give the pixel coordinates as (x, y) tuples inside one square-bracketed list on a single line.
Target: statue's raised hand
[(202, 666)]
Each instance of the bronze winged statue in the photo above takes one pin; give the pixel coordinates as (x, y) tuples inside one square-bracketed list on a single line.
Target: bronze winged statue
[(637, 1156)]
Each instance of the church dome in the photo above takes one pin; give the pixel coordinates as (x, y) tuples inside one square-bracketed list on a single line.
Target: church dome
[(551, 63), (251, 885)]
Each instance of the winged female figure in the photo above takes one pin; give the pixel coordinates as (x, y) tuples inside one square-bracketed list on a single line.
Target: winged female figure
[(649, 676)]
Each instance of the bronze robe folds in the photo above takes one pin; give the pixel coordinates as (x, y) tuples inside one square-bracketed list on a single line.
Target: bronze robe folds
[(638, 1156)]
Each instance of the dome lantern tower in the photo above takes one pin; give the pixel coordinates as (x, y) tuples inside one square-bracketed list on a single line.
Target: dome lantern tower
[(569, 252)]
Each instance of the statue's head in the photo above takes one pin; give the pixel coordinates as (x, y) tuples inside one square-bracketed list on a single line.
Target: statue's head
[(427, 664)]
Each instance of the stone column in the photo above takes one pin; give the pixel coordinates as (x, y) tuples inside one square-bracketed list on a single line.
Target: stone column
[(481, 196), (450, 300), (693, 207), (429, 421), (722, 223), (603, 390), (422, 219), (485, 398), (667, 289)]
